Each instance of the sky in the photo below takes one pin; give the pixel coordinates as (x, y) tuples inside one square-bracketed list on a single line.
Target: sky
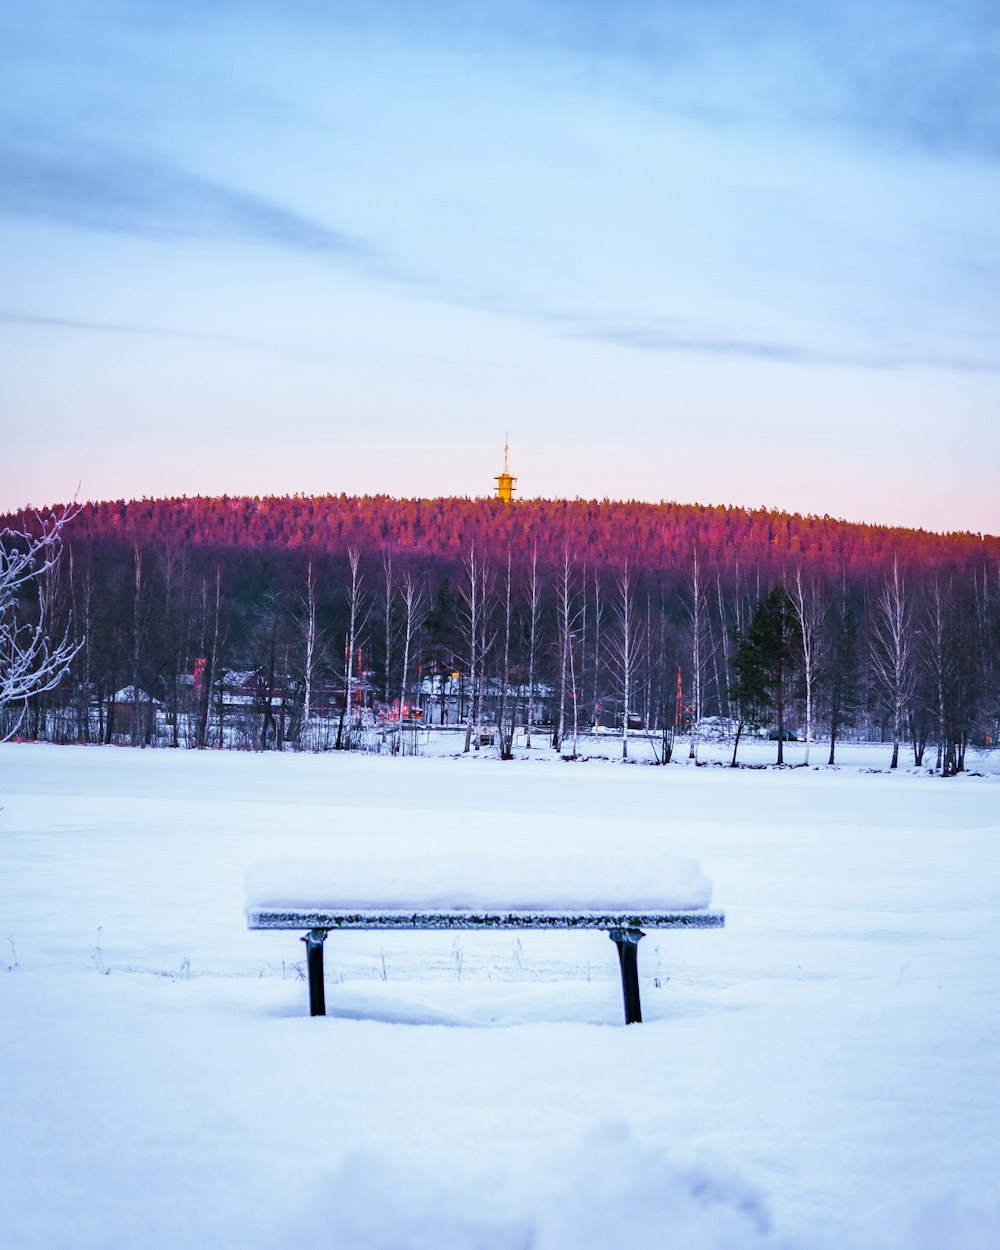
[(716, 251)]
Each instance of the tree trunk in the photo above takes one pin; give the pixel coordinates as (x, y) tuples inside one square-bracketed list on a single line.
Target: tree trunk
[(533, 606), (696, 661)]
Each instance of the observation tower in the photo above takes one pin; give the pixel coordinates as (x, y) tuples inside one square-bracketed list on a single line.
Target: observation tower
[(506, 484)]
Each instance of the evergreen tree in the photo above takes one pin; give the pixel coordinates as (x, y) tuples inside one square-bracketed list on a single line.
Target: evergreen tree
[(765, 661)]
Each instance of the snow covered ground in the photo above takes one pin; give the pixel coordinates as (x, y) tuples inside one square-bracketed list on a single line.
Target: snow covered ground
[(824, 1072)]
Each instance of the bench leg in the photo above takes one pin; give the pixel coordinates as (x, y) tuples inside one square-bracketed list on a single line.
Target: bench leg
[(627, 941), (314, 940)]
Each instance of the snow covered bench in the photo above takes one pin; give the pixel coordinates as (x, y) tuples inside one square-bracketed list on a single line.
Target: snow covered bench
[(625, 928), (313, 897)]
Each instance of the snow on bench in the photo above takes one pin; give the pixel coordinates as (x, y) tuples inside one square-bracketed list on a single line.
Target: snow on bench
[(624, 897)]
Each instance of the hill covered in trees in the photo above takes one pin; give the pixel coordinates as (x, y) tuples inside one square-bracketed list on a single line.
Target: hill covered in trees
[(648, 535), (326, 621)]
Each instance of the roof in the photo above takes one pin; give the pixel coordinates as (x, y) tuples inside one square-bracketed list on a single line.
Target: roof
[(133, 694)]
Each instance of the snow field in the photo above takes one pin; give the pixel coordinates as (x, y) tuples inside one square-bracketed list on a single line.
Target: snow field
[(822, 1072)]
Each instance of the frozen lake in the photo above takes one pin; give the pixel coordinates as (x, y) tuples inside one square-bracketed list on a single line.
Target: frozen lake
[(823, 1072)]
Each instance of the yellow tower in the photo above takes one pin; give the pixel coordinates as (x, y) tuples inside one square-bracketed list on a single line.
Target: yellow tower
[(505, 483)]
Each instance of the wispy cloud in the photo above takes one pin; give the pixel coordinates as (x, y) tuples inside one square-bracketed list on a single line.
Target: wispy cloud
[(663, 335), (674, 335), (10, 316), (913, 73), (123, 194)]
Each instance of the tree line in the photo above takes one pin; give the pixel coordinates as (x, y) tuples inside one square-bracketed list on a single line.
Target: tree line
[(651, 535), (308, 645)]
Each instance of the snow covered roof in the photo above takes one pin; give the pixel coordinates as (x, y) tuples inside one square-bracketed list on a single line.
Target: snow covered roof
[(240, 677), (133, 694)]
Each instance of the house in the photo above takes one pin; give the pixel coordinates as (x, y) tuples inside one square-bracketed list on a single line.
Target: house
[(132, 713)]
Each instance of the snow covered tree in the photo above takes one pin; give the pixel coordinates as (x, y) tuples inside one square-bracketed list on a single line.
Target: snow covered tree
[(31, 662)]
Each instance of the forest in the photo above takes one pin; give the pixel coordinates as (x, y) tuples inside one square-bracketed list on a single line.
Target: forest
[(346, 623)]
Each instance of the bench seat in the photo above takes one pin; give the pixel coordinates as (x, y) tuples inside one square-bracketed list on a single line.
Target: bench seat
[(625, 928)]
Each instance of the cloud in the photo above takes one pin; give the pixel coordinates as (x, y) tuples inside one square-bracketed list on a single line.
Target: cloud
[(910, 73), (663, 335), (122, 194), (13, 317), (675, 335)]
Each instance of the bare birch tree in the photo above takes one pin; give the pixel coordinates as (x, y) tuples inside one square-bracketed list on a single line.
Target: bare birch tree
[(951, 645), (625, 646), (534, 609), (83, 611), (892, 653), (31, 661), (357, 618), (388, 586), (211, 649), (660, 730), (696, 614), (595, 703), (568, 613), (934, 654), (141, 727), (311, 639), (507, 714), (810, 612), (174, 629), (724, 636), (843, 695), (574, 690), (414, 602), (475, 596), (47, 719)]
